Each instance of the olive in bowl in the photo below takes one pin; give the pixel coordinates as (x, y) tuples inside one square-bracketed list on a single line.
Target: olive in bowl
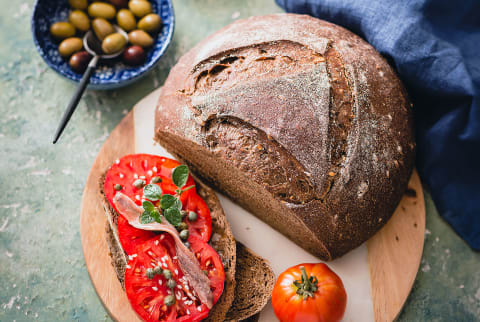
[(113, 74)]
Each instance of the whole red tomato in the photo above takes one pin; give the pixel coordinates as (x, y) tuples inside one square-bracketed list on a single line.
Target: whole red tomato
[(309, 293)]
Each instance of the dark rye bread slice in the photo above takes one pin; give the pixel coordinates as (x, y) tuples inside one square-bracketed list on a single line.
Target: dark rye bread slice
[(222, 241), (299, 121)]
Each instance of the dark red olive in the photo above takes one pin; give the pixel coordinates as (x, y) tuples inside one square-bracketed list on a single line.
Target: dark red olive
[(119, 3), (79, 61), (134, 55)]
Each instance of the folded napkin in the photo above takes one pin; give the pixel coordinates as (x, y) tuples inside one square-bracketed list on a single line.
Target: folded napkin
[(435, 48)]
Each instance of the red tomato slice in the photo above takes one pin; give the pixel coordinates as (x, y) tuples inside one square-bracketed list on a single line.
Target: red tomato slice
[(130, 237), (147, 296), (146, 166)]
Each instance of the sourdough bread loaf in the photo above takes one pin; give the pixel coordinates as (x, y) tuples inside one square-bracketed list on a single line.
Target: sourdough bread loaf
[(299, 121)]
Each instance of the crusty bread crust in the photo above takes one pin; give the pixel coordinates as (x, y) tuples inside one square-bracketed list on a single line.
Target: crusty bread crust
[(299, 121)]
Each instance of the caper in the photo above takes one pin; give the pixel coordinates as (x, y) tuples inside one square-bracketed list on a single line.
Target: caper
[(62, 30), (78, 4), (117, 187), (169, 300), (140, 8), (157, 270), (70, 46), (79, 63), (182, 226), (80, 20), (102, 28), (167, 274), (183, 213), (126, 20), (192, 216), (139, 183), (150, 273), (101, 10), (184, 234), (140, 38), (156, 179), (171, 283), (150, 23)]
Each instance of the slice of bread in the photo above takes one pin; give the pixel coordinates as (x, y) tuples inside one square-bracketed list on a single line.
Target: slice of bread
[(241, 281)]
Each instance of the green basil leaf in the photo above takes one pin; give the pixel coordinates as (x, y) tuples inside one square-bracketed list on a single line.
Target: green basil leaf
[(148, 206), (156, 215), (180, 175), (173, 216), (152, 192), (145, 218), (167, 201)]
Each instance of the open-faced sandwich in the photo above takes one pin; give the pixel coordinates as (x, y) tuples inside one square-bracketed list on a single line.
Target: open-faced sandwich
[(172, 248)]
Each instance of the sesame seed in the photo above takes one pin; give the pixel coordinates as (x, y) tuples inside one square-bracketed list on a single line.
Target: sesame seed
[(155, 169), (178, 297), (179, 287), (150, 253), (153, 264), (161, 237), (188, 312), (176, 271), (165, 265), (142, 177), (117, 161), (154, 288), (137, 197), (174, 257), (134, 255), (150, 173), (128, 266), (186, 287), (156, 243), (169, 292), (135, 176), (160, 282), (199, 308), (184, 298), (121, 175)]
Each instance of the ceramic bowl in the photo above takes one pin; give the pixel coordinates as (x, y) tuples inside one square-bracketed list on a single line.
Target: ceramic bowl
[(109, 73)]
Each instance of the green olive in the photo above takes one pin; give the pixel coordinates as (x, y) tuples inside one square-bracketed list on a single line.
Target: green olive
[(62, 30), (140, 8), (102, 28), (78, 4), (169, 300), (80, 20), (150, 23), (126, 20), (140, 38), (70, 46), (113, 44), (101, 10)]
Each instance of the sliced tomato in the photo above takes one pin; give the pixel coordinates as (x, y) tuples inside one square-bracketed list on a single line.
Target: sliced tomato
[(130, 237), (147, 296), (146, 166)]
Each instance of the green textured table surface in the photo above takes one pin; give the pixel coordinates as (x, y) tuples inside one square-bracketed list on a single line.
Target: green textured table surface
[(42, 271)]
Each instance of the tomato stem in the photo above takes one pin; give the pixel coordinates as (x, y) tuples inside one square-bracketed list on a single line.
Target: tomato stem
[(307, 286)]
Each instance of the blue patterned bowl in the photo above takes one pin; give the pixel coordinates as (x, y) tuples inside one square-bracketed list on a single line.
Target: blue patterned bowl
[(109, 74)]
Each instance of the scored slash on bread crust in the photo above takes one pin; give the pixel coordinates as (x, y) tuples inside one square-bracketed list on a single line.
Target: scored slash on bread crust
[(223, 242), (297, 120)]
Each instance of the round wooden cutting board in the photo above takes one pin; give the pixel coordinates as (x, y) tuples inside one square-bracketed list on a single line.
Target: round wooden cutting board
[(378, 275)]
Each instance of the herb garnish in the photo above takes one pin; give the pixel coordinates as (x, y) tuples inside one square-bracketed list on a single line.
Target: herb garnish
[(170, 205)]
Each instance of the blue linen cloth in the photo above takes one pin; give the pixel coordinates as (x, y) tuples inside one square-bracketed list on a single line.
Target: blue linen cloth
[(435, 48)]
